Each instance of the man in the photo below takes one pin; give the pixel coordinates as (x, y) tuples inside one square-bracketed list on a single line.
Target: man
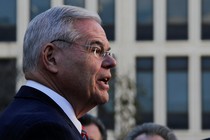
[(94, 127), (66, 62), (151, 131)]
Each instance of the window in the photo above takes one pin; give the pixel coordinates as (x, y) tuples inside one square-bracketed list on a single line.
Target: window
[(106, 10), (7, 81), (144, 23), (8, 20), (144, 99), (106, 111), (205, 80), (205, 20), (79, 3), (177, 92), (177, 24), (38, 6)]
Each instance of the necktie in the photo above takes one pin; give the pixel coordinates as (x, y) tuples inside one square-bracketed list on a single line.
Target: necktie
[(84, 135)]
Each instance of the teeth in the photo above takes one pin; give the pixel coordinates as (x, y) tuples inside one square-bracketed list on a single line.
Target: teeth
[(105, 79)]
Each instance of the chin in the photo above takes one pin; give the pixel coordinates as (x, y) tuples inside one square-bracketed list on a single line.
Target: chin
[(101, 103), (104, 100)]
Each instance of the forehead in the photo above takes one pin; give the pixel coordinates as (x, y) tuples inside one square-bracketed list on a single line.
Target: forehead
[(92, 30)]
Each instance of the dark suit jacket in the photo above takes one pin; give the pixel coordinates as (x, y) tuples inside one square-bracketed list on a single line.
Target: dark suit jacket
[(34, 116)]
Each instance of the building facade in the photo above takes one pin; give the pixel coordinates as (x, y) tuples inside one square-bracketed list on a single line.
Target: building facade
[(163, 53)]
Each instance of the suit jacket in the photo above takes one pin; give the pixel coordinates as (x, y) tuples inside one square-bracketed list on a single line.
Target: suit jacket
[(32, 115)]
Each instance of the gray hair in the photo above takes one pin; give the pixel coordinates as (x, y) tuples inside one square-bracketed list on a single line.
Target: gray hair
[(151, 129), (55, 23)]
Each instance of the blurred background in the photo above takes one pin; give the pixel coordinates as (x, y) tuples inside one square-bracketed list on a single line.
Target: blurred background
[(163, 53)]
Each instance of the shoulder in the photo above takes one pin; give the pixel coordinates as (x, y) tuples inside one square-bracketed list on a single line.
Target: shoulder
[(38, 127), (48, 130)]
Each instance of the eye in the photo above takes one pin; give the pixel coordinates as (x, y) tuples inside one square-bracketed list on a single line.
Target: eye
[(96, 50)]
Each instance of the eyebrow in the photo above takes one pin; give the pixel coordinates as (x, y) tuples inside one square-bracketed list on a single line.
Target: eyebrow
[(100, 44)]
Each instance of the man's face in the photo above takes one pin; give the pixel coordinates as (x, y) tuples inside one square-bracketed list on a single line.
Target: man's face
[(83, 74)]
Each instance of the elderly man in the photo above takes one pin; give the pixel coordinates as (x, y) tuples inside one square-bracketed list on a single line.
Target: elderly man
[(66, 62)]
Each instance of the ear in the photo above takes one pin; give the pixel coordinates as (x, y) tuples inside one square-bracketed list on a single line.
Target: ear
[(48, 57)]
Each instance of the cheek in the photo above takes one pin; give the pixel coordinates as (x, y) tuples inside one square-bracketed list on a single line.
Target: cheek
[(84, 67), (91, 67)]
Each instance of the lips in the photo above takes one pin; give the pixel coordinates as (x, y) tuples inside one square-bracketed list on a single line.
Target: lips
[(105, 80), (103, 83)]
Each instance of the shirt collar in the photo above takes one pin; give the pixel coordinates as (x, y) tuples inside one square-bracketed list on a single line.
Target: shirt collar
[(60, 100)]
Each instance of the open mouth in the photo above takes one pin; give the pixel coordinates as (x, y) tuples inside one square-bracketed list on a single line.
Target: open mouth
[(105, 80)]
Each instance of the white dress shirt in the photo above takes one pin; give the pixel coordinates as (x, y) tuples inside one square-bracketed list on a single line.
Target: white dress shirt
[(61, 101)]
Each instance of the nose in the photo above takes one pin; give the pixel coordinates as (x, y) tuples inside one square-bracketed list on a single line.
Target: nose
[(109, 62)]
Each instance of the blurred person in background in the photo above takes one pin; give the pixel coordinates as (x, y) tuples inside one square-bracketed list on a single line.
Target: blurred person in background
[(151, 131), (94, 127)]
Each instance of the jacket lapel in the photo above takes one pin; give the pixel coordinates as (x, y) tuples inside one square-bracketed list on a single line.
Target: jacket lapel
[(32, 93)]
